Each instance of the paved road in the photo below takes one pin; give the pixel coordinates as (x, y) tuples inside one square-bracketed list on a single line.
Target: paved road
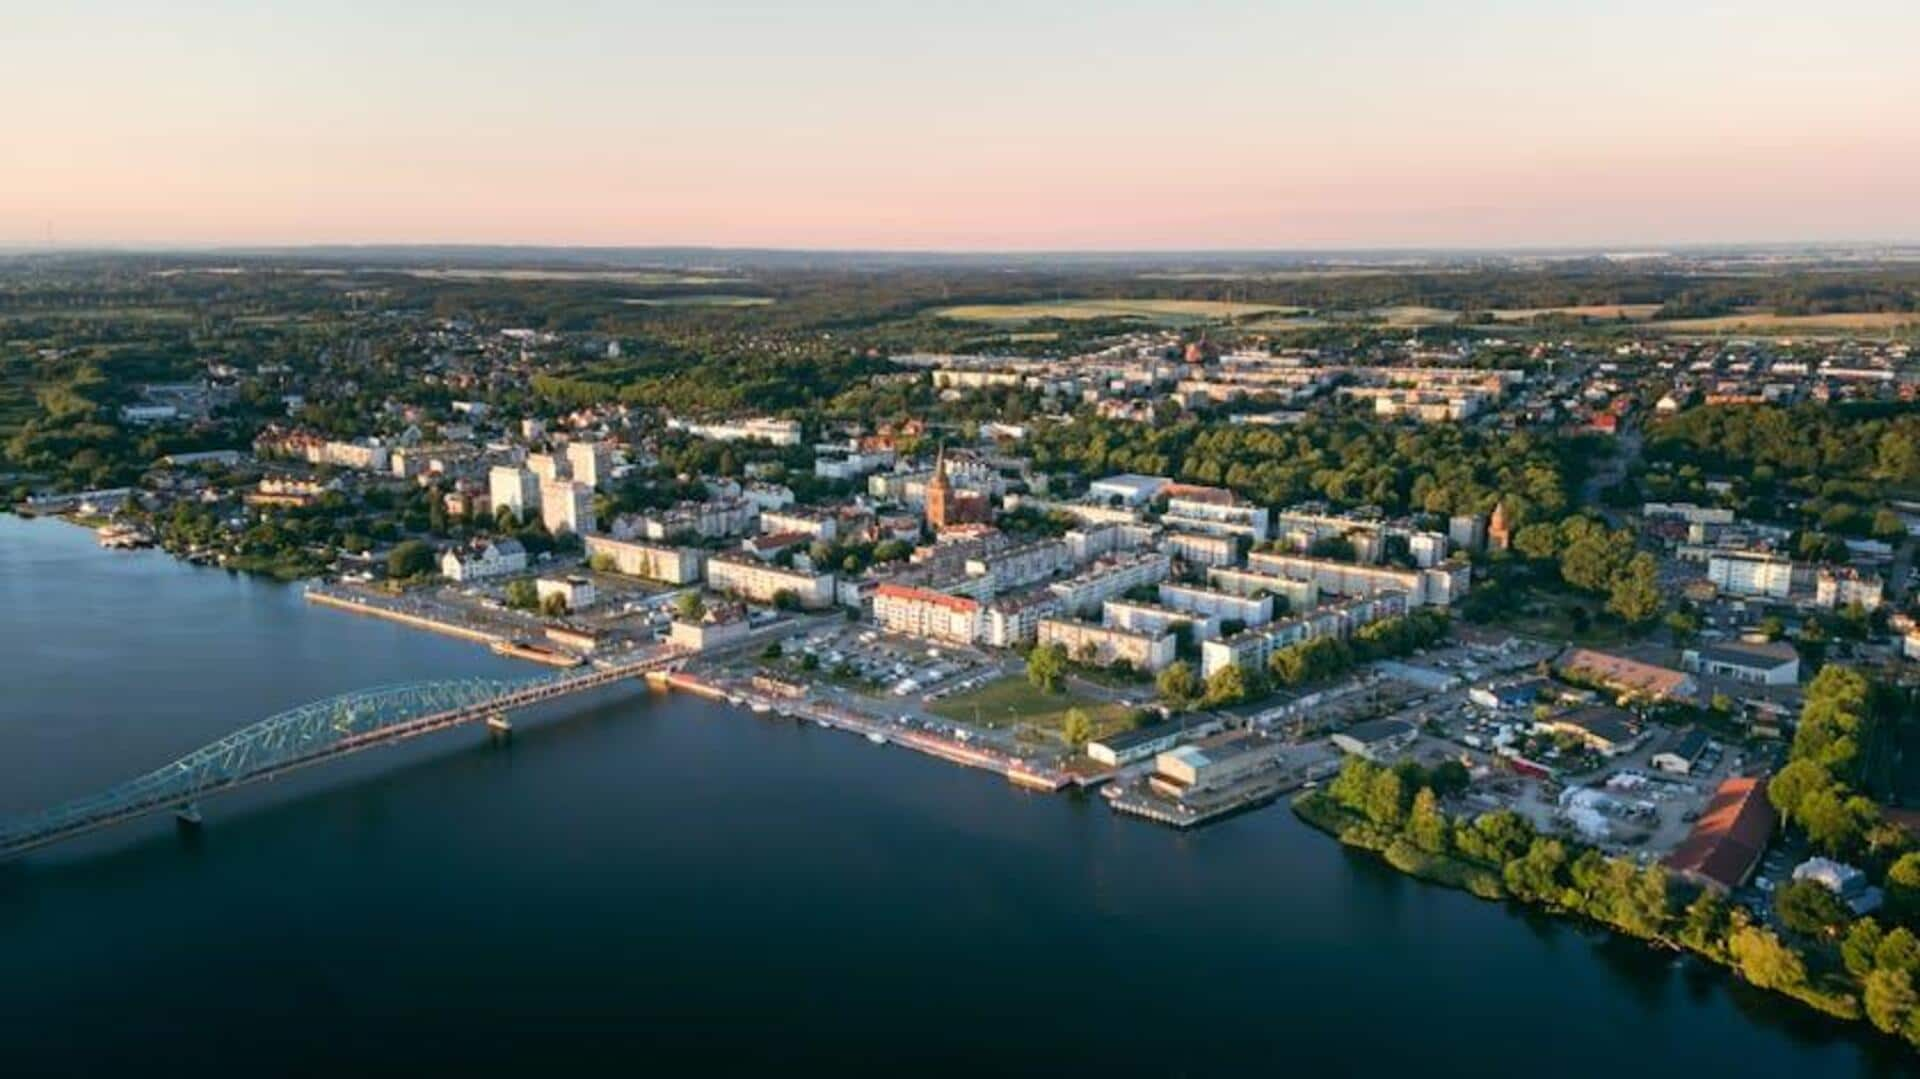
[(1628, 444)]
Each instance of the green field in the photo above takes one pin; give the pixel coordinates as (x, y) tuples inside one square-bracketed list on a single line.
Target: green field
[(1169, 312), (1014, 701), (702, 300)]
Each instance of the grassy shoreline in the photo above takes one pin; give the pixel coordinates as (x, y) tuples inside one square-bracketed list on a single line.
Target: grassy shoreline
[(1321, 812)]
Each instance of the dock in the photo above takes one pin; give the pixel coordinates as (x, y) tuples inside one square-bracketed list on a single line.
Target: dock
[(1137, 800)]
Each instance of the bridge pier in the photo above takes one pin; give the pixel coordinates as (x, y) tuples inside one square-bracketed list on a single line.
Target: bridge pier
[(188, 815), (499, 727)]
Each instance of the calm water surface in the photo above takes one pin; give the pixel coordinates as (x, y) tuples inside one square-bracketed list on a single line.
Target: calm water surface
[(640, 880)]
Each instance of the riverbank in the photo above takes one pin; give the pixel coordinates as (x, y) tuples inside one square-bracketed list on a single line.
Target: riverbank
[(1580, 884), (358, 605), (655, 870)]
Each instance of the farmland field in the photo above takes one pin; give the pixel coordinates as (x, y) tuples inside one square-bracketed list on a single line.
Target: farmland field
[(619, 277), (1172, 312), (1768, 322)]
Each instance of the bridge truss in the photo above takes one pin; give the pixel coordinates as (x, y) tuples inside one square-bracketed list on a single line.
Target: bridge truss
[(312, 733)]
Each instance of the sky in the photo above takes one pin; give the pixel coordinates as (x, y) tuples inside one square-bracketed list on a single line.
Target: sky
[(977, 125)]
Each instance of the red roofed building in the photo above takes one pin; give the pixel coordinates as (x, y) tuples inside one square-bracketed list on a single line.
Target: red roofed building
[(922, 612), (1727, 841)]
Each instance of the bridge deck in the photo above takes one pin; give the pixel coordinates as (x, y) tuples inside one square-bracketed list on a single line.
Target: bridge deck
[(307, 736)]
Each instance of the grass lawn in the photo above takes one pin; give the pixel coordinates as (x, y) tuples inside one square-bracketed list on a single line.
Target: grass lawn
[(1015, 701)]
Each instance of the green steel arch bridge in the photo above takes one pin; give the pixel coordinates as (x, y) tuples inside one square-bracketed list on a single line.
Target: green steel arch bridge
[(311, 734)]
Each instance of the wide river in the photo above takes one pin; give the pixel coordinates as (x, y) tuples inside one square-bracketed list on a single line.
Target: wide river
[(639, 880)]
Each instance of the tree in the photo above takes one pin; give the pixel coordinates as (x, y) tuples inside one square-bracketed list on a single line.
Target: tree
[(1426, 826), (1789, 787), (1046, 666), (601, 562), (1809, 908), (1536, 874), (409, 559), (1178, 685), (1857, 949), (1704, 925), (1903, 888), (1076, 728), (1635, 593), (522, 595), (1351, 787), (1228, 685), (1387, 798), (1836, 821), (554, 606), (1890, 999), (1449, 778), (1763, 960), (690, 606), (1898, 950)]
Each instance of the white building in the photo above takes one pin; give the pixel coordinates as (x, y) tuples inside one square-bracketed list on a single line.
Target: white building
[(1844, 587), (566, 506), (760, 429), (749, 578), (1086, 591), (1089, 643), (1127, 489), (674, 565), (1751, 573), (576, 592), (923, 612), (1437, 586), (1252, 648), (513, 487), (590, 462), (1213, 510), (1762, 663), (483, 560)]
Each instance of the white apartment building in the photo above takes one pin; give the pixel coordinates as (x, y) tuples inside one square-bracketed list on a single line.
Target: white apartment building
[(1751, 573), (566, 506), (513, 487), (1202, 549), (483, 560), (1089, 643), (1153, 619), (674, 565), (1300, 595), (759, 429), (1254, 647), (815, 523), (590, 462), (1437, 586), (1022, 566), (1087, 590), (1844, 587), (925, 613), (1218, 606), (1213, 510), (749, 578), (1010, 621)]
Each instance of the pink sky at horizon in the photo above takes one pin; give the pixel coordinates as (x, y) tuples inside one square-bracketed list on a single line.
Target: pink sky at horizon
[(1119, 126)]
